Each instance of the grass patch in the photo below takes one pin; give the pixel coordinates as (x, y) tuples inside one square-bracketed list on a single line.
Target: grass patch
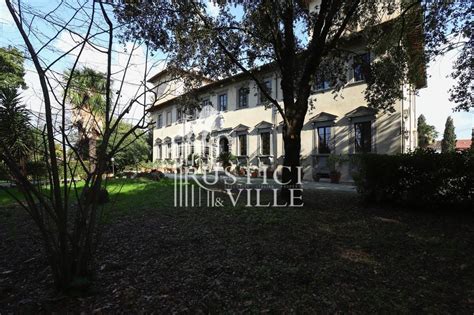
[(137, 196), (127, 196)]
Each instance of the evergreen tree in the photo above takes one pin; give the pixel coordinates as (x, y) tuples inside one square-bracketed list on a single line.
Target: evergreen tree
[(426, 133), (15, 131), (133, 150), (449, 137), (87, 96), (12, 70)]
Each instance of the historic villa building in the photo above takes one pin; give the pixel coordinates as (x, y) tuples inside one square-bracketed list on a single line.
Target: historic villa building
[(233, 118)]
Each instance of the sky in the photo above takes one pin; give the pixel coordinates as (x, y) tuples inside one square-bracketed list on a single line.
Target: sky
[(432, 101), (90, 57)]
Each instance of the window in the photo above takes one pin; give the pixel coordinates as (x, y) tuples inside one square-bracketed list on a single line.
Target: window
[(180, 149), (159, 121), (243, 144), (223, 145), (265, 143), (206, 146), (363, 137), (191, 114), (243, 95), (160, 152), (222, 101), (168, 118), (169, 150), (268, 87), (324, 137), (179, 114), (361, 66), (205, 102), (322, 83)]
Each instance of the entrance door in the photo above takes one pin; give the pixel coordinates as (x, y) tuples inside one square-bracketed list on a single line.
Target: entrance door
[(223, 145)]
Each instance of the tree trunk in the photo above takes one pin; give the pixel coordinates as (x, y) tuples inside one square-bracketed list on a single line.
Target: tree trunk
[(92, 139), (291, 166)]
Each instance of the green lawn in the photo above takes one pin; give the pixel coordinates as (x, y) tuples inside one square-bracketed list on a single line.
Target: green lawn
[(333, 255), (126, 195)]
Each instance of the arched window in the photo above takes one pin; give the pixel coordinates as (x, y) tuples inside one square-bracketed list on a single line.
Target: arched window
[(223, 145)]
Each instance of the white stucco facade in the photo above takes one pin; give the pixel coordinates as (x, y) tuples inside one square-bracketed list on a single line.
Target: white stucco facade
[(253, 132)]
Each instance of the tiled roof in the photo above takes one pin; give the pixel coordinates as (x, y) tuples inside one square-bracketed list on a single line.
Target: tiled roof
[(463, 144)]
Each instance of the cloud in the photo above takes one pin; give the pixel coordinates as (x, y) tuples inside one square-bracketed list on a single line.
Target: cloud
[(5, 17), (92, 57)]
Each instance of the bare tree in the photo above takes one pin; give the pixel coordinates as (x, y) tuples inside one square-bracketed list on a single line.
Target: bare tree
[(68, 213)]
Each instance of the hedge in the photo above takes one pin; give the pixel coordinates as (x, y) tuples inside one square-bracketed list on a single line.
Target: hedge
[(421, 179)]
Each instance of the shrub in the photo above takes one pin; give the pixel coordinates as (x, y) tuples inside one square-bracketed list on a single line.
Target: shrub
[(76, 169), (421, 178), (226, 158), (154, 175)]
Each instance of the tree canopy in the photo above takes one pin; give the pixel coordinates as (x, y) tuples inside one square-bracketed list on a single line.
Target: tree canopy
[(426, 133), (246, 34), (87, 89), (133, 150), (15, 131), (12, 70), (448, 144)]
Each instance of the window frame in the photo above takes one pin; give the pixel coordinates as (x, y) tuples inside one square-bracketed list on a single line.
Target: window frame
[(179, 114), (221, 146), (191, 113), (220, 97), (362, 148), (365, 58), (160, 151), (322, 84), (170, 115), (327, 135), (169, 151), (205, 101), (261, 149), (240, 96), (262, 98), (159, 121), (239, 144), (180, 151)]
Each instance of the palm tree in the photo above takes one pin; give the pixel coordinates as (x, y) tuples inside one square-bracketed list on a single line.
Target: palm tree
[(87, 96), (15, 131)]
